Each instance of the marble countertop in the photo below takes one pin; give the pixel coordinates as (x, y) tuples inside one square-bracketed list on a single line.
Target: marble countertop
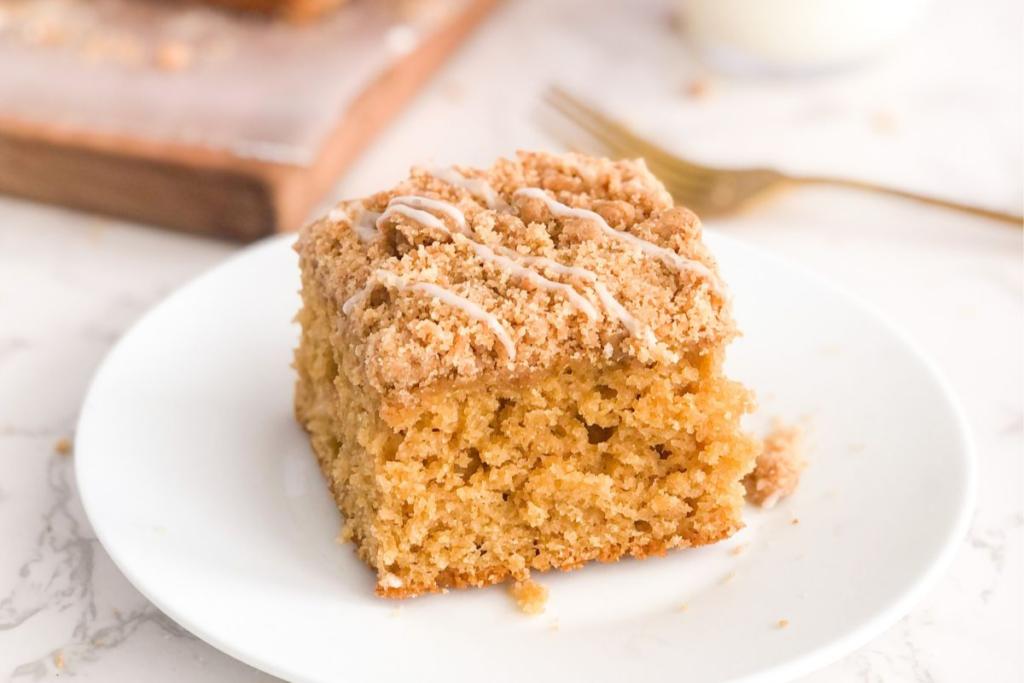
[(942, 114)]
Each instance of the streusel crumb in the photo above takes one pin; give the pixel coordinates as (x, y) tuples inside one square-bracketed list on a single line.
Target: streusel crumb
[(530, 596), (778, 468)]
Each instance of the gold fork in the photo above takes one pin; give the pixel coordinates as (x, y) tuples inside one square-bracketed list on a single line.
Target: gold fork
[(714, 191)]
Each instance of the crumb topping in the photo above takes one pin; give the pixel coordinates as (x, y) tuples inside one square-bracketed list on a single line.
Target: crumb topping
[(460, 274), (778, 467)]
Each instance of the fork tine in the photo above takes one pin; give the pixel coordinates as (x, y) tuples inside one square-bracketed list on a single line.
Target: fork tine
[(617, 139), (606, 127), (609, 138), (571, 136), (687, 191)]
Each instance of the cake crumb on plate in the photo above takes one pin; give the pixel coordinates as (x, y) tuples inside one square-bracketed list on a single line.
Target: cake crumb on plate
[(778, 467), (63, 446), (530, 596)]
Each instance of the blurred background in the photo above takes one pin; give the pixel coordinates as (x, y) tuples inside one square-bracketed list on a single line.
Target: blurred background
[(142, 142)]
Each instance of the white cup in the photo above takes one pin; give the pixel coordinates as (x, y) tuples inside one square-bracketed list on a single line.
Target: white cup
[(796, 36)]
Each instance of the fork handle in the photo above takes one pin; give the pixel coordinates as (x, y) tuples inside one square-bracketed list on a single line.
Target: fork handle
[(934, 201)]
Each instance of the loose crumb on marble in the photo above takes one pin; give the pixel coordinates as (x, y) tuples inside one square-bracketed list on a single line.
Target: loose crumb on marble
[(554, 627), (778, 467), (530, 596), (730, 577), (796, 520), (884, 122), (740, 549), (63, 446), (58, 660), (685, 607), (859, 447), (783, 623), (699, 88), (454, 92)]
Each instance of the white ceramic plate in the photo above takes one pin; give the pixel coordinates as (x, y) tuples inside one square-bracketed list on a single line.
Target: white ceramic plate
[(204, 491)]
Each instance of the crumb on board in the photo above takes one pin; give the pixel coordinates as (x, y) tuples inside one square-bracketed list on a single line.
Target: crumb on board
[(729, 578), (783, 623), (58, 660), (63, 446), (740, 549), (779, 465), (796, 520), (173, 55), (685, 607), (530, 596)]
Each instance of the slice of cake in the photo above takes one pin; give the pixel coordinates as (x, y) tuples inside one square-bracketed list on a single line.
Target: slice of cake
[(519, 369)]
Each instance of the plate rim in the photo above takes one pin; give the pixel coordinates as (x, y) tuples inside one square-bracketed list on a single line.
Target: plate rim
[(801, 665)]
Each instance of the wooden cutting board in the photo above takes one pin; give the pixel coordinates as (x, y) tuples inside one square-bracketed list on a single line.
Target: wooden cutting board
[(201, 120)]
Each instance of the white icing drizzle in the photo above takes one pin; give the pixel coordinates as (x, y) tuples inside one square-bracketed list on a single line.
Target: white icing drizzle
[(532, 276), (362, 225), (416, 212), (418, 215), (473, 310), (365, 225), (426, 204), (610, 303), (477, 187), (667, 256), (416, 208), (357, 298)]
